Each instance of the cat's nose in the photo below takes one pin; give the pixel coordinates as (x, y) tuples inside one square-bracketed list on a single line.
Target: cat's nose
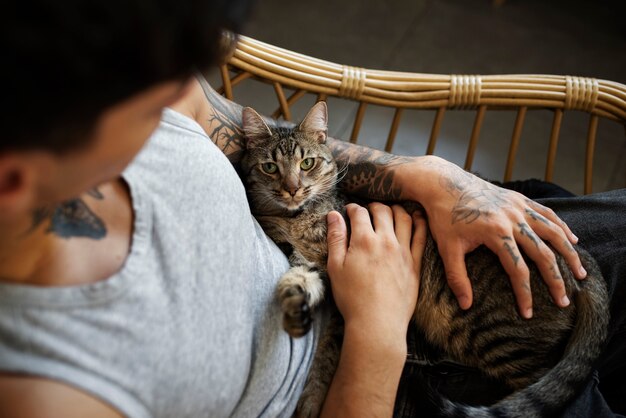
[(291, 184)]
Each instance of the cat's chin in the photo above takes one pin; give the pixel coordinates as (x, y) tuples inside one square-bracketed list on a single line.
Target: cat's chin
[(291, 206)]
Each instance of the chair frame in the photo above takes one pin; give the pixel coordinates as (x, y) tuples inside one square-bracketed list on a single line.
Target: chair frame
[(401, 90)]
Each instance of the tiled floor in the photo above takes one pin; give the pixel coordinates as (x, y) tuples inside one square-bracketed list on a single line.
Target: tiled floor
[(585, 38)]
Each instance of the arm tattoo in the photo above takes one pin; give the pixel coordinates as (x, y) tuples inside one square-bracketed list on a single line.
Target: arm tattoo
[(225, 126), (368, 172), (72, 218)]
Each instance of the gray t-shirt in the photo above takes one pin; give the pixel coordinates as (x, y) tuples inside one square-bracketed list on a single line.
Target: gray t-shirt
[(190, 326)]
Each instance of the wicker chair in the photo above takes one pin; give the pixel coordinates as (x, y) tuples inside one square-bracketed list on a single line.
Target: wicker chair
[(301, 75)]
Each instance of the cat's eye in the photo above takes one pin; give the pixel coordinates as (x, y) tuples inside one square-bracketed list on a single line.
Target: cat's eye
[(307, 163), (269, 168)]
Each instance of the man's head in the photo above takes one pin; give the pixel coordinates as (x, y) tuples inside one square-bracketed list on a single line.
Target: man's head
[(89, 79)]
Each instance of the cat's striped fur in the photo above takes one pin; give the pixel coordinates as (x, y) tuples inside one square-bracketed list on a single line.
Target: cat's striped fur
[(544, 360)]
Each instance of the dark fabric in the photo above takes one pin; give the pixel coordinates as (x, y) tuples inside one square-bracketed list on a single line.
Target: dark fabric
[(536, 189), (599, 221)]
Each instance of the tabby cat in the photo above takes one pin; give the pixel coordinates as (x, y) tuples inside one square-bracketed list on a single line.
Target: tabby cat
[(291, 180)]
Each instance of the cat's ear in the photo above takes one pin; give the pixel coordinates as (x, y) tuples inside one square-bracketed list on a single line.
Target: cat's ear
[(316, 121), (254, 127)]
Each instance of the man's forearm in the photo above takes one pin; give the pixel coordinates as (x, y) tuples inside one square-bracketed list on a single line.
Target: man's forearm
[(368, 172), (366, 381)]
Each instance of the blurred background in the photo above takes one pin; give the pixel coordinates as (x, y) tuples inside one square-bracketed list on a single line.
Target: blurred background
[(583, 38)]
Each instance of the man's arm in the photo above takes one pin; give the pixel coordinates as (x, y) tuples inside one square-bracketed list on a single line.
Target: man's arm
[(36, 397), (375, 281), (463, 210)]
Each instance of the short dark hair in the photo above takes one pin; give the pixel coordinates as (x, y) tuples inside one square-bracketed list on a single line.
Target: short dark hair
[(66, 61)]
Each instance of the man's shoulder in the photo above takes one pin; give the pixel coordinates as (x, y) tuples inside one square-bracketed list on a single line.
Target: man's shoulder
[(193, 104), (31, 396)]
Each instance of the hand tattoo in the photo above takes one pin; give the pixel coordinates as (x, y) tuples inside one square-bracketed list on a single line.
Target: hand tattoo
[(535, 216), (556, 273), (524, 229), (510, 250), (481, 200), (473, 204)]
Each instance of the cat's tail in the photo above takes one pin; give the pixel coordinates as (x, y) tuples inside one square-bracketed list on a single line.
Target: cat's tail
[(552, 392)]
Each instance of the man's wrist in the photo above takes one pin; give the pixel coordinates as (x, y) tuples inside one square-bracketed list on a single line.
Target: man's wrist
[(387, 341), (367, 378), (421, 178)]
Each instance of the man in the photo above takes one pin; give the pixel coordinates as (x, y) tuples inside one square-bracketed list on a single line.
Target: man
[(138, 284)]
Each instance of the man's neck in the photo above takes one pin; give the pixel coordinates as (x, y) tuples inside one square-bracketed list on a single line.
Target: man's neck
[(23, 243), (69, 243)]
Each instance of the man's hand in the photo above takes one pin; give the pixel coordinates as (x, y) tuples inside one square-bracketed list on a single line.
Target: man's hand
[(375, 281), (465, 211)]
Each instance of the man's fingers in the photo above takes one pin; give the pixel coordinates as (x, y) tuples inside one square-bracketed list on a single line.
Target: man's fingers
[(549, 214), (337, 239), (360, 223), (418, 241), (382, 218), (456, 274), (545, 260), (508, 253), (403, 225), (553, 233)]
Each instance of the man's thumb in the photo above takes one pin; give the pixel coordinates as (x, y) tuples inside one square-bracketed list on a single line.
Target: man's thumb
[(337, 239)]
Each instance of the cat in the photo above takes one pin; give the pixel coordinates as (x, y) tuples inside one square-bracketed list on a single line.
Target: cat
[(292, 183)]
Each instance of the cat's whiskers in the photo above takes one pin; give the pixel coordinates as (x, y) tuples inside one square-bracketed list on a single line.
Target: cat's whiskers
[(342, 172), (266, 203)]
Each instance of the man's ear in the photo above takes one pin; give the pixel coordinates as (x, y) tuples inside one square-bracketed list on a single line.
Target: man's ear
[(17, 186), (316, 121), (254, 127)]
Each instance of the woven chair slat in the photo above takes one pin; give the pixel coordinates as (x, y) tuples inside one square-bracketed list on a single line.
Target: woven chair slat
[(591, 145), (358, 120), (239, 78), (553, 144), (513, 145), (394, 129), (228, 89), (282, 101), (473, 143), (434, 132)]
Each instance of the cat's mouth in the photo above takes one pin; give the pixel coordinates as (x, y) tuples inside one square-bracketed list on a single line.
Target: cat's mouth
[(293, 202)]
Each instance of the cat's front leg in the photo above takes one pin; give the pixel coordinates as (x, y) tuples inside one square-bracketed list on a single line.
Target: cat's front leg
[(300, 290)]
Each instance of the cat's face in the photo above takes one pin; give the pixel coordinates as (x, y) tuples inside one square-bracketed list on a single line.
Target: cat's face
[(286, 168)]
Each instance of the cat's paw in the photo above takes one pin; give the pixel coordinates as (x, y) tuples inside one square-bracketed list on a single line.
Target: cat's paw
[(296, 311), (309, 405), (300, 290)]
